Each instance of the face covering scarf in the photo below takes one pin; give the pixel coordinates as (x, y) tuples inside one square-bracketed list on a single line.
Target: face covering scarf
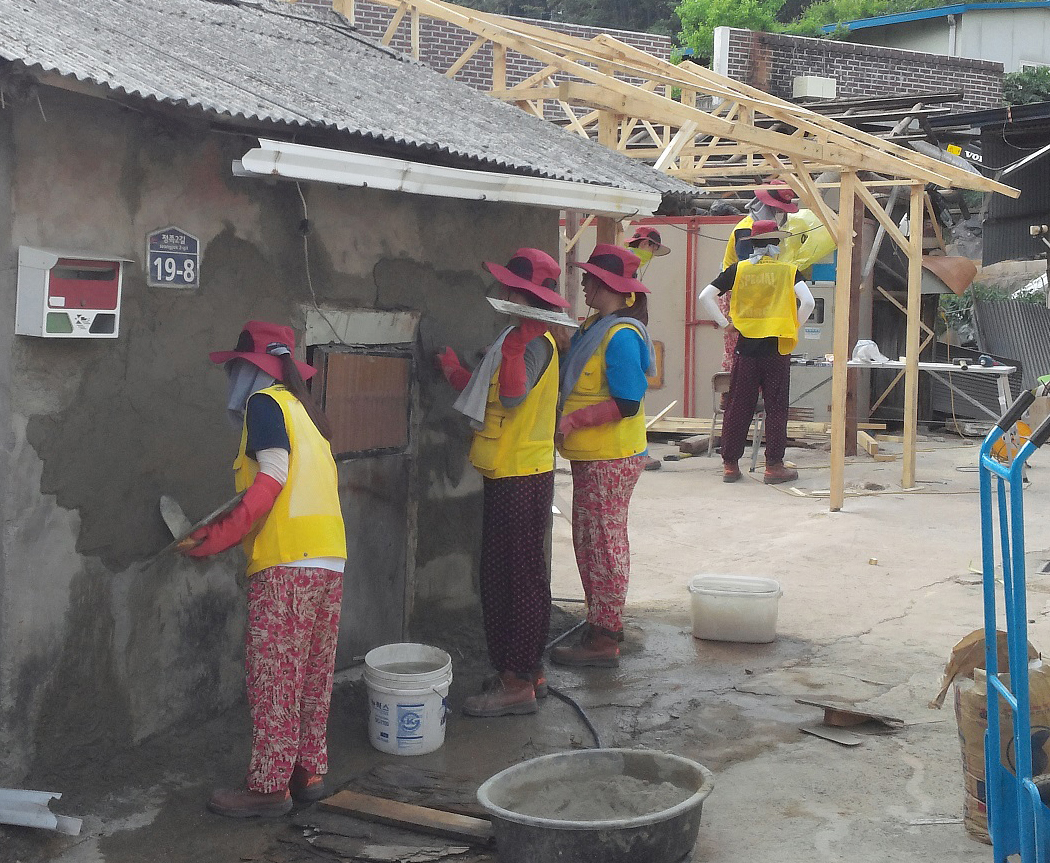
[(243, 380)]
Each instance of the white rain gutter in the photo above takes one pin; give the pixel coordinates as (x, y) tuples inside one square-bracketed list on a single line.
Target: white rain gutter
[(321, 165)]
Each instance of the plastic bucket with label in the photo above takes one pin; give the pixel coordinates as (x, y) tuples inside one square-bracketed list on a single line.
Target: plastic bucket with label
[(407, 697)]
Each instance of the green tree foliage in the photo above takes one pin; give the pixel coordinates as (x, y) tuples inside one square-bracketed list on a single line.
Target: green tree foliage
[(1027, 86), (700, 17)]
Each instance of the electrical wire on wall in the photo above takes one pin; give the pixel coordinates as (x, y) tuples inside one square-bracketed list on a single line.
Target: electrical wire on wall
[(304, 229)]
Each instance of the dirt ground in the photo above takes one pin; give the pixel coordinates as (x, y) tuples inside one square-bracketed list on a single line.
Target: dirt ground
[(874, 597)]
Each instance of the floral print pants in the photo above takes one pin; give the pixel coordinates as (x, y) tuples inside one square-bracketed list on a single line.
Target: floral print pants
[(293, 624), (601, 494)]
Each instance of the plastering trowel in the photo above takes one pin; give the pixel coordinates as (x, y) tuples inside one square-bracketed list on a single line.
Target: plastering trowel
[(180, 526)]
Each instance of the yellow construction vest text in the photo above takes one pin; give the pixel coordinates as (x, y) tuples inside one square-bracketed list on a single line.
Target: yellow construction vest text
[(763, 302)]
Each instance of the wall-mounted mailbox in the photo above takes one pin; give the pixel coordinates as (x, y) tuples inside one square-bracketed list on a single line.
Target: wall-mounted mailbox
[(68, 295)]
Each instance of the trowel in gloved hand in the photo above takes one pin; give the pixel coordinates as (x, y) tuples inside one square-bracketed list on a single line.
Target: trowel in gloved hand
[(180, 526)]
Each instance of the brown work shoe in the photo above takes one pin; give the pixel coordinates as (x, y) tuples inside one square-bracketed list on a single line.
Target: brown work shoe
[(504, 695), (539, 681), (242, 803), (598, 649), (306, 786), (779, 473), (730, 471)]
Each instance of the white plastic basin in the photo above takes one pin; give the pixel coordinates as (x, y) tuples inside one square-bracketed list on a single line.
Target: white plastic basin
[(734, 607)]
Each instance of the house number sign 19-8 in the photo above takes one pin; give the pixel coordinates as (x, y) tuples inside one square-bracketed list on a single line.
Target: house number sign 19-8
[(172, 259)]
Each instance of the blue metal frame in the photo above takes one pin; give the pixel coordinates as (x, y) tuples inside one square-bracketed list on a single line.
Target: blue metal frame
[(1018, 820)]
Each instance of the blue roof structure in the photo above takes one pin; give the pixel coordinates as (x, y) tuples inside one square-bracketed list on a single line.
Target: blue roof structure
[(938, 12)]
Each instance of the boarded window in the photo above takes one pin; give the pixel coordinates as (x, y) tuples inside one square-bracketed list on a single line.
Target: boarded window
[(366, 395)]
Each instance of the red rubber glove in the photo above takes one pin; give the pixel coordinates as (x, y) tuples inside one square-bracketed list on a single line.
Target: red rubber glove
[(227, 532), (450, 366), (592, 415), (512, 367)]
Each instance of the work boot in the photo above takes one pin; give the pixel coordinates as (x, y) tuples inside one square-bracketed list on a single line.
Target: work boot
[(506, 694), (777, 472), (598, 649), (242, 803), (539, 681), (306, 786), (730, 471)]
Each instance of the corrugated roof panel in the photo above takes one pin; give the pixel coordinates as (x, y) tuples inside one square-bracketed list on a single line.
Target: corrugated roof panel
[(268, 61), (1014, 329)]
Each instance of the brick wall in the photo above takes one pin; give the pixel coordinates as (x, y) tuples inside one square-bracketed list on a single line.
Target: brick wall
[(770, 61), (442, 43)]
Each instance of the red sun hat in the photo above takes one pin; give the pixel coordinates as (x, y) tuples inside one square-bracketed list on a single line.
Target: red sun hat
[(652, 235), (614, 267), (256, 338), (532, 271), (778, 194), (767, 229)]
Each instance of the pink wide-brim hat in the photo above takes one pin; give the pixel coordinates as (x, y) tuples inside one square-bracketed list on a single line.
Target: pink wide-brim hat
[(615, 267), (255, 339), (532, 271)]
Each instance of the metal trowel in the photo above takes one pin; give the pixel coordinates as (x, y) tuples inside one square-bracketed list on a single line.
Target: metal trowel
[(180, 526)]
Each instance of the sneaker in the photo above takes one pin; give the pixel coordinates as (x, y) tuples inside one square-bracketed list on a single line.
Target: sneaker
[(242, 803), (777, 473), (730, 472), (504, 695), (597, 649), (306, 786)]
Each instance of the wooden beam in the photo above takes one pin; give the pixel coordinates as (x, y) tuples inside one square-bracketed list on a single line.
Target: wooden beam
[(395, 22), (843, 273), (911, 356), (684, 135), (884, 219), (499, 66), (408, 816), (464, 58)]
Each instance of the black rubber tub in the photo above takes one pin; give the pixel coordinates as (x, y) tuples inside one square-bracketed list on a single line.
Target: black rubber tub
[(664, 836)]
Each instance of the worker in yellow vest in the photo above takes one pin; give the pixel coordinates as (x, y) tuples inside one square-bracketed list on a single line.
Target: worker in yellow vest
[(768, 300), (511, 399), (291, 526), (646, 244), (602, 434), (775, 200)]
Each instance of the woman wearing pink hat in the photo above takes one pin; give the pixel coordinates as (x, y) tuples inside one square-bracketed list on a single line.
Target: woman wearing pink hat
[(291, 526), (602, 433), (511, 400)]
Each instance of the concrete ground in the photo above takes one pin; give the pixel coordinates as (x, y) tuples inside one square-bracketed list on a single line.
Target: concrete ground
[(874, 597)]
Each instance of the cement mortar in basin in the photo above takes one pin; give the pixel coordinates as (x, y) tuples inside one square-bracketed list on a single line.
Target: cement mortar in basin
[(612, 831)]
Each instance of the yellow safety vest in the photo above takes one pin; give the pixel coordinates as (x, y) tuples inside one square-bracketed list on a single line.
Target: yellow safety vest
[(730, 257), (519, 441), (306, 520), (763, 302), (618, 439)]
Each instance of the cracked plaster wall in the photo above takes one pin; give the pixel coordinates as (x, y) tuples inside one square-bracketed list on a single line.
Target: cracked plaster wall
[(98, 651)]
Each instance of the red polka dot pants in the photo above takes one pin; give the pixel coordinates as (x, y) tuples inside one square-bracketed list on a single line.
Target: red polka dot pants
[(601, 494), (293, 624), (515, 581), (771, 375)]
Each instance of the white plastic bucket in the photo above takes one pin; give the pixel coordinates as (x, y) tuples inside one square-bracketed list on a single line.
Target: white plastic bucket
[(735, 608), (407, 689)]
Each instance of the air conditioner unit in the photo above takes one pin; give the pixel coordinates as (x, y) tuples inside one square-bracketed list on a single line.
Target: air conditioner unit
[(68, 295), (812, 87)]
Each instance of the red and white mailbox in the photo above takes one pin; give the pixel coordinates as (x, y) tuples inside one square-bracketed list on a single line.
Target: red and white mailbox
[(68, 295)]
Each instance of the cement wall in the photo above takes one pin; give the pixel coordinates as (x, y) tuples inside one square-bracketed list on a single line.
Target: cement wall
[(98, 651)]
